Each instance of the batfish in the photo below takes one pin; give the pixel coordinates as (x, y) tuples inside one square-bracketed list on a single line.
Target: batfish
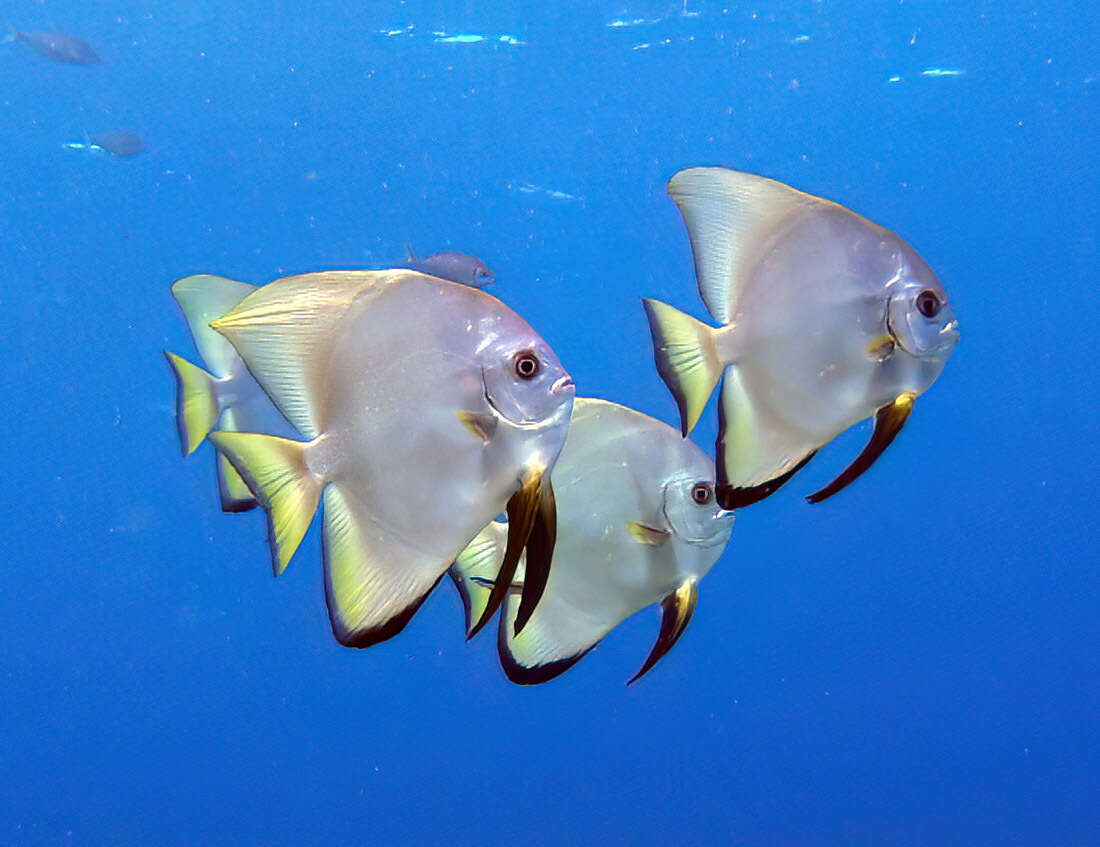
[(428, 407), (59, 46), (827, 319), (228, 397), (637, 524), (457, 267)]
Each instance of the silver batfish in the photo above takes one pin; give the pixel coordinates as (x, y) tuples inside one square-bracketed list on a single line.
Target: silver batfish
[(452, 265), (827, 319), (227, 397), (637, 525), (428, 406)]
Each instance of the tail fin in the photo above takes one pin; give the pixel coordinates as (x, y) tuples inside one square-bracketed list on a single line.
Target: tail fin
[(475, 569), (196, 402), (683, 349), (276, 471), (12, 35)]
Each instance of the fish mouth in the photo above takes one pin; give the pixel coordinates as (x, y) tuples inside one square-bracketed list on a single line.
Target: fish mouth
[(563, 383)]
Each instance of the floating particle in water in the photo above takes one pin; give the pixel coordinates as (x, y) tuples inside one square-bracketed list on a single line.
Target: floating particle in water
[(942, 72)]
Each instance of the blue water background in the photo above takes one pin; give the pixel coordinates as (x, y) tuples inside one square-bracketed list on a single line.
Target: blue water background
[(912, 662)]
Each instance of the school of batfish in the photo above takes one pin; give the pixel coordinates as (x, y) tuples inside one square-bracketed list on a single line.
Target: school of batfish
[(415, 437)]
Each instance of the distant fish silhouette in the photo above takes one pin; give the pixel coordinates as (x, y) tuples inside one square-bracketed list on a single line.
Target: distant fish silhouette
[(119, 142), (58, 46), (457, 267)]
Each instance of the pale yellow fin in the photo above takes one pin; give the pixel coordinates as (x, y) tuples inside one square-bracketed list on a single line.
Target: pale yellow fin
[(752, 460), (729, 214), (683, 349), (276, 472), (556, 638), (475, 565), (374, 581), (284, 332), (236, 496), (203, 298), (196, 402), (645, 534)]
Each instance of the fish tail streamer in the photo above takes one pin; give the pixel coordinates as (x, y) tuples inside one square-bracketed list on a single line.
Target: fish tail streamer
[(275, 470), (686, 359)]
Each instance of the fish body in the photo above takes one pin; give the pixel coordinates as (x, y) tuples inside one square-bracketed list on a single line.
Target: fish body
[(637, 525), (225, 395), (58, 46), (828, 319), (428, 407), (119, 142), (457, 267)]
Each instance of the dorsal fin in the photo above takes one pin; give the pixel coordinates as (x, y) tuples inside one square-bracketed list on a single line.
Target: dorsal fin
[(728, 214), (284, 332), (203, 298)]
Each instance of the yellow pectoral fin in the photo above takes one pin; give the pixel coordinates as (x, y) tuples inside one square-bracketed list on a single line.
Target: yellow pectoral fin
[(645, 534)]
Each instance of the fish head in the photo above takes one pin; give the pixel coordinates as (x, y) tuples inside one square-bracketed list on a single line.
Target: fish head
[(693, 513), (525, 383), (483, 276), (919, 315)]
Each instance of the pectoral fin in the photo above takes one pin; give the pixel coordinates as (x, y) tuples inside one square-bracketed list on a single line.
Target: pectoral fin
[(522, 510), (479, 424), (645, 534), (676, 611), (888, 423)]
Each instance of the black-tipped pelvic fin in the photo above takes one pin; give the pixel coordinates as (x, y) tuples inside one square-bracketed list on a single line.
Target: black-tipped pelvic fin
[(676, 611), (522, 510), (540, 552), (888, 423), (729, 497)]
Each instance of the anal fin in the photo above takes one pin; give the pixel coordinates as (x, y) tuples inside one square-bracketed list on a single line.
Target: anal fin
[(374, 583), (753, 460)]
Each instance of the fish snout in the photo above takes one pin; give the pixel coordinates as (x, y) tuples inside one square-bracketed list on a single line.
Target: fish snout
[(564, 383)]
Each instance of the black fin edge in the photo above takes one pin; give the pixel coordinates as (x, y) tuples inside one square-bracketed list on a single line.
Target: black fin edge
[(729, 497), (537, 674), (361, 639)]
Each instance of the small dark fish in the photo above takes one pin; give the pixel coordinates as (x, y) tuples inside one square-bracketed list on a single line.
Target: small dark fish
[(457, 267), (58, 46), (119, 142)]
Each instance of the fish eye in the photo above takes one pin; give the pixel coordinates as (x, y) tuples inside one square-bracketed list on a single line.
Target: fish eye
[(701, 493), (526, 365), (928, 303)]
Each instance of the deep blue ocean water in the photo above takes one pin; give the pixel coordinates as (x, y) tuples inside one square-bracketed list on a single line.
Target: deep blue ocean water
[(912, 662)]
